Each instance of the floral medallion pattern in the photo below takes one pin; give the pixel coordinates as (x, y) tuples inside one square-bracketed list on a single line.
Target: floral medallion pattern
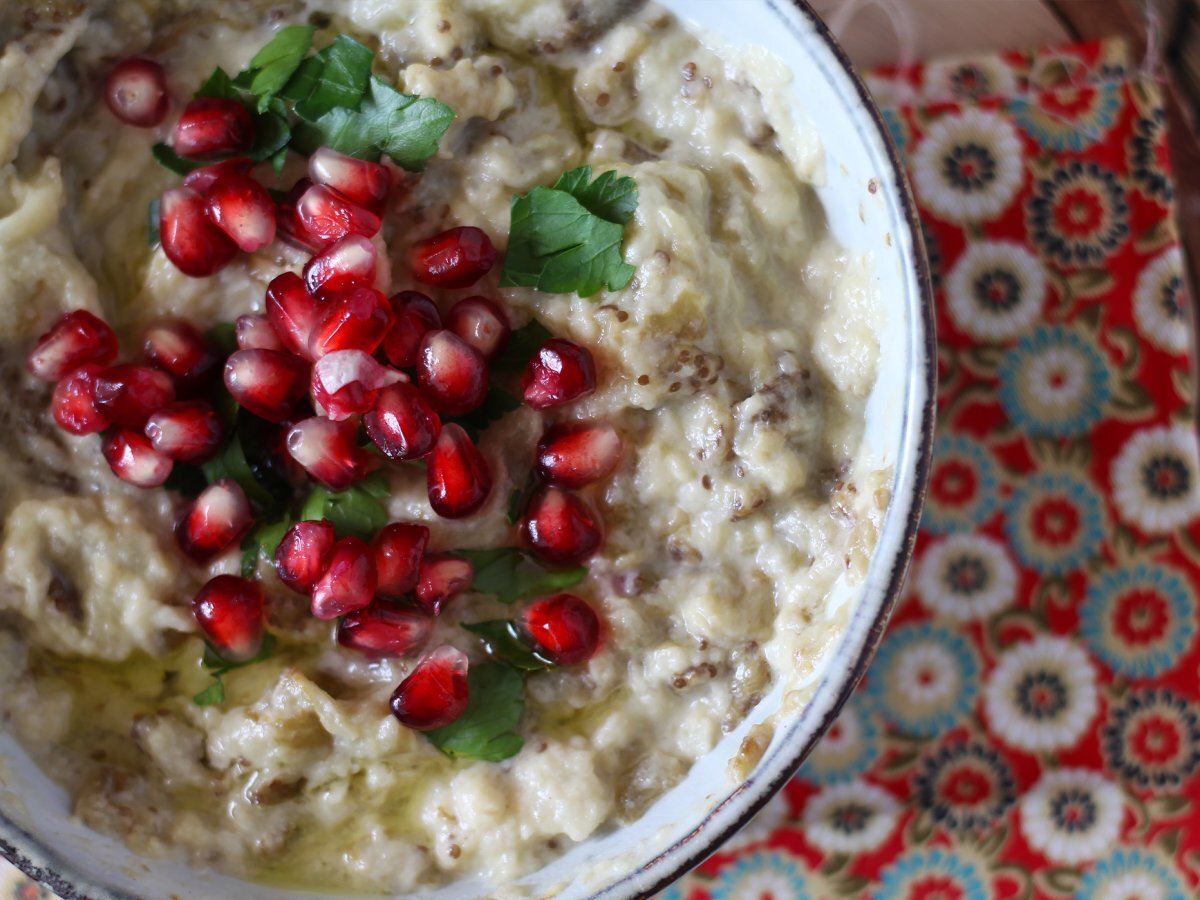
[(1030, 726)]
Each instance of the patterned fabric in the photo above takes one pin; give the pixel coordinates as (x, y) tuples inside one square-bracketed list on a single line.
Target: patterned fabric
[(1031, 724)]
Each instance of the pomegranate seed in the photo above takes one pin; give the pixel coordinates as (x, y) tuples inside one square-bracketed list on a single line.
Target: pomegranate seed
[(303, 555), (179, 349), (188, 432), (203, 178), (195, 245), (327, 216), (457, 476), (348, 583), (242, 208), (347, 382), (453, 259), (415, 315), (440, 577), (328, 451), (383, 630), (402, 425), (355, 319), (136, 92), (451, 372), (132, 458), (128, 394), (564, 627), (269, 383), (256, 333), (293, 312), (76, 338), (398, 550), (74, 402), (210, 126), (481, 323), (229, 610), (435, 693), (359, 181), (347, 262), (290, 228), (560, 371), (219, 516), (560, 527), (571, 456)]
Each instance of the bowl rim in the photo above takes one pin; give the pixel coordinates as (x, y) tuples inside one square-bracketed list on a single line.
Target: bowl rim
[(695, 847)]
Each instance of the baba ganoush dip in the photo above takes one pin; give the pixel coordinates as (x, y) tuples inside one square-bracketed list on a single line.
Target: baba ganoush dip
[(734, 364)]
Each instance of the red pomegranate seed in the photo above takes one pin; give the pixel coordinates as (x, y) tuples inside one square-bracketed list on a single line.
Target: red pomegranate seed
[(128, 394), (347, 382), (564, 627), (359, 181), (560, 371), (293, 312), (435, 693), (132, 458), (229, 610), (211, 126), (402, 425), (256, 333), (217, 518), (398, 550), (453, 259), (348, 583), (347, 262), (194, 244), (440, 577), (327, 216), (78, 337), (354, 319), (451, 373), (328, 451), (136, 92), (269, 383), (188, 432), (481, 323), (203, 178), (303, 555), (74, 402), (414, 315), (242, 208), (179, 349), (289, 226), (577, 454), (457, 476), (384, 630), (560, 527)]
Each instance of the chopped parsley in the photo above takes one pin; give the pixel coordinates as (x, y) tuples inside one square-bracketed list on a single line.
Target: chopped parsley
[(485, 729), (218, 666), (504, 642), (357, 511), (511, 574)]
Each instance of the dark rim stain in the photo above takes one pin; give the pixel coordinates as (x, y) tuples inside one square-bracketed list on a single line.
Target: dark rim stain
[(696, 851)]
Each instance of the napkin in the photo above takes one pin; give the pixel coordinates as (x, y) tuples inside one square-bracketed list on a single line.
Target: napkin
[(1030, 726)]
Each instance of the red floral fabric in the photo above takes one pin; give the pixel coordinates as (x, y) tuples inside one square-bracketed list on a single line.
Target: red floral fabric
[(1031, 724)]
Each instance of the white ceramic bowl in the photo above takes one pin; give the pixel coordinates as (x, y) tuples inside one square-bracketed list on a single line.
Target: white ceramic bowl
[(870, 210)]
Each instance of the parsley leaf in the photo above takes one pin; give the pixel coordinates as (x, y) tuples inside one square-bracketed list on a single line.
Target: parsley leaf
[(271, 136), (218, 84), (497, 403), (518, 499), (511, 574), (218, 666), (485, 729), (405, 127), (262, 543), (506, 643), (275, 63), (357, 511), (521, 347), (169, 159), (153, 220), (336, 76), (186, 478), (568, 237)]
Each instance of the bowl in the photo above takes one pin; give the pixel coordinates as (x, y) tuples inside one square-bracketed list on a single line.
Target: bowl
[(870, 210)]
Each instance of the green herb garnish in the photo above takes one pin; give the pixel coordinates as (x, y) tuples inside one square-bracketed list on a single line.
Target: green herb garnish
[(261, 543), (504, 642), (337, 76), (485, 729), (357, 511), (218, 666), (496, 404), (568, 237), (274, 64), (511, 574), (524, 342)]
